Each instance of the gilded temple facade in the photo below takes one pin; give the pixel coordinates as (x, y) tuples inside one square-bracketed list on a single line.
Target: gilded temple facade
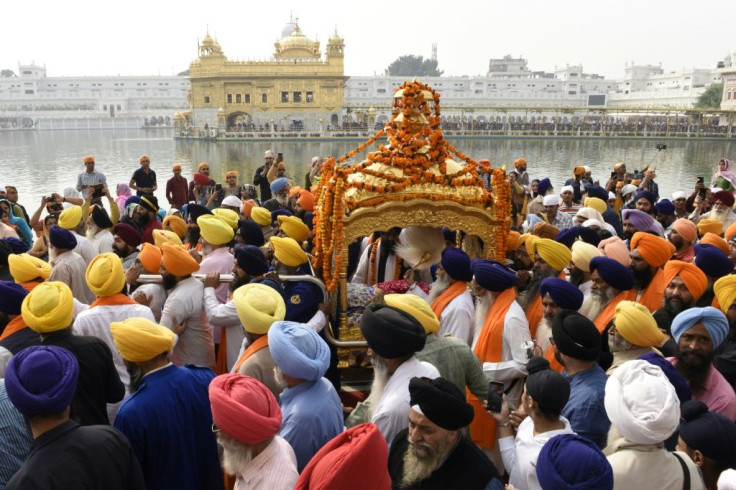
[(297, 89)]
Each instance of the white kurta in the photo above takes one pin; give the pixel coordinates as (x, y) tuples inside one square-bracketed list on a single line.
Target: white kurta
[(157, 293), (102, 242), (362, 272), (391, 414), (225, 315), (84, 248), (458, 318)]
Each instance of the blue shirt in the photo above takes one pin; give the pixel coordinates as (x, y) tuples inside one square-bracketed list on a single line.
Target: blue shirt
[(312, 416), (169, 424), (302, 300), (585, 409), (15, 438)]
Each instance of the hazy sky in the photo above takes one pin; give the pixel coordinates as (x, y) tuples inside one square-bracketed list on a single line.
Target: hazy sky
[(136, 37)]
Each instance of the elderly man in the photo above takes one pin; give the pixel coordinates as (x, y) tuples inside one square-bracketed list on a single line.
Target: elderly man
[(433, 452), (394, 338), (280, 192), (683, 235), (723, 202), (550, 258), (166, 418), (41, 382), (125, 243), (68, 266), (312, 411), (48, 310), (648, 255), (98, 230), (698, 332), (183, 312), (247, 419), (577, 344), (554, 216), (71, 219), (582, 254), (147, 211), (557, 294), (633, 333)]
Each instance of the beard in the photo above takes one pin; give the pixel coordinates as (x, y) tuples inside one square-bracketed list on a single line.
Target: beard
[(235, 455), (92, 231), (594, 304), (136, 375), (694, 366), (52, 253), (120, 253), (674, 306), (380, 378), (721, 216), (421, 459), (439, 286), (616, 343), (238, 281), (206, 248), (168, 281), (577, 276), (677, 241), (278, 376), (192, 236), (143, 219), (538, 275), (544, 332), (482, 307), (642, 277)]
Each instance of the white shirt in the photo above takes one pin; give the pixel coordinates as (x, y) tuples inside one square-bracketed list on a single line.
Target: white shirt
[(84, 248), (157, 293), (362, 271), (226, 316), (458, 318), (102, 242), (391, 414), (273, 469)]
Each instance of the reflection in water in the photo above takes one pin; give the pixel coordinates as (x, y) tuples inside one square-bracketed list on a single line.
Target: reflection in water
[(40, 162)]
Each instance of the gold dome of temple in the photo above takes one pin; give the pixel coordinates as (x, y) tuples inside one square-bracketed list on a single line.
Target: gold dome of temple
[(297, 45)]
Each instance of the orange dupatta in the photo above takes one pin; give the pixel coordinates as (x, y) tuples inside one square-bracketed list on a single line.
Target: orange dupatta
[(653, 295), (605, 316), (260, 343), (15, 325), (489, 349), (115, 299), (444, 299)]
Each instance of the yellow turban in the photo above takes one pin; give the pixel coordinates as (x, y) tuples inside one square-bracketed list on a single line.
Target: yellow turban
[(512, 240), (26, 267), (105, 275), (177, 225), (596, 203), (582, 253), (140, 340), (691, 275), (258, 307), (214, 230), (177, 260), (229, 216), (556, 254), (416, 307), (725, 289), (704, 226), (287, 251), (716, 241), (656, 251), (528, 240), (637, 325), (162, 236), (260, 215), (70, 217), (49, 307), (150, 257), (294, 228)]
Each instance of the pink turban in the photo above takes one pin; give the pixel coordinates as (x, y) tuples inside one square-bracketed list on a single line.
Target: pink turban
[(686, 229), (615, 249)]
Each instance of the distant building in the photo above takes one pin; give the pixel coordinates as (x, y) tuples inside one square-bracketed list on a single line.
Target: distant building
[(728, 74)]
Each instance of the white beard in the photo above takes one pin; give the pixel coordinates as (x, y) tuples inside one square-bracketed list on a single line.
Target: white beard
[(544, 332), (594, 304), (380, 378), (439, 286), (482, 307), (418, 466), (206, 248), (52, 253), (284, 201), (721, 216), (92, 231), (619, 344), (235, 455)]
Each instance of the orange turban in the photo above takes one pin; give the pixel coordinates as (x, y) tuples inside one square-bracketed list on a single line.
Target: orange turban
[(232, 173), (619, 184), (145, 158), (176, 166), (730, 232), (578, 170), (519, 161), (691, 275), (725, 289), (177, 260), (710, 226), (686, 229), (716, 241), (89, 159), (177, 225), (306, 200), (248, 206), (655, 250), (294, 191), (512, 240), (203, 164), (614, 248), (150, 257)]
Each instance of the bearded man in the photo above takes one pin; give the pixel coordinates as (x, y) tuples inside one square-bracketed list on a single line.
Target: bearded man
[(722, 209), (98, 230), (280, 192), (611, 284), (378, 261), (557, 294), (582, 254), (147, 210), (683, 235), (125, 243), (635, 220), (715, 263), (648, 255), (550, 258), (192, 238), (633, 333)]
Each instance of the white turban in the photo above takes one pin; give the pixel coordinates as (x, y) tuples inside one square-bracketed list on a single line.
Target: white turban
[(590, 213), (587, 168), (567, 188), (268, 153), (233, 202), (611, 195), (550, 200), (678, 195), (628, 189), (592, 222), (642, 403)]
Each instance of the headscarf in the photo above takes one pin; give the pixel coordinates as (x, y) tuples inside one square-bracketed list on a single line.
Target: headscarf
[(123, 192), (42, 380), (69, 218), (390, 332), (725, 290), (714, 320), (128, 234), (11, 297), (62, 238), (49, 307), (441, 402), (298, 350), (615, 274), (279, 184), (641, 403), (177, 225), (416, 307), (714, 226), (691, 275), (214, 230), (105, 275), (258, 307), (25, 267), (244, 409), (583, 253), (177, 260), (163, 236), (570, 461), (294, 228), (711, 433), (553, 253), (492, 275), (637, 325), (150, 257), (725, 173), (563, 293), (686, 229), (228, 216), (287, 251), (140, 339), (260, 215), (654, 250)]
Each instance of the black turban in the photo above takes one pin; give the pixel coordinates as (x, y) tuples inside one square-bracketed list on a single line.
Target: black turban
[(390, 332), (251, 233), (441, 402), (100, 217), (709, 432), (150, 203), (546, 387), (251, 259), (196, 210), (576, 336), (589, 235)]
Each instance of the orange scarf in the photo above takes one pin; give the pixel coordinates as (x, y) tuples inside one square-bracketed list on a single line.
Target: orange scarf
[(15, 325), (489, 349), (605, 316), (653, 295), (114, 300), (439, 304), (28, 286), (260, 343), (221, 363)]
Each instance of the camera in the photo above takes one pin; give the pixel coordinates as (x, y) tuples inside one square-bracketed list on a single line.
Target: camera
[(660, 147), (218, 187), (49, 199)]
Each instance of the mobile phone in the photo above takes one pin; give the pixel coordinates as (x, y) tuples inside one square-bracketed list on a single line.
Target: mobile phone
[(701, 193), (495, 393), (701, 180), (280, 156), (613, 174), (218, 187)]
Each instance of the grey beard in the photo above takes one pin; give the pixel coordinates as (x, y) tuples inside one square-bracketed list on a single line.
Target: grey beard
[(594, 304), (482, 307), (616, 343), (544, 332), (380, 378), (439, 286), (235, 455), (418, 467), (538, 275)]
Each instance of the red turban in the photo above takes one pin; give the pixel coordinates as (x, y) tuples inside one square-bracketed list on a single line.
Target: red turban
[(655, 250), (244, 408), (726, 197), (686, 229), (716, 241), (355, 459), (200, 179), (691, 275)]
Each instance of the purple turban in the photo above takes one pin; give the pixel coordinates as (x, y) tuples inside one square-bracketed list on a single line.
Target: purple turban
[(568, 235), (572, 461), (563, 293), (682, 388), (42, 380), (11, 297), (714, 320), (492, 275), (613, 272), (132, 200), (16, 245), (712, 261), (62, 238), (457, 264), (639, 219)]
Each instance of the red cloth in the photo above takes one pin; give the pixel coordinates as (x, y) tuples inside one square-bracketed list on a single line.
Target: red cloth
[(177, 192), (201, 179), (356, 459), (154, 224)]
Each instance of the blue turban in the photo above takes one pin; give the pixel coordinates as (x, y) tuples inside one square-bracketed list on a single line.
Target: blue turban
[(613, 272), (298, 350), (457, 264), (62, 238), (589, 235), (16, 245), (251, 233), (532, 221), (665, 207), (132, 200), (714, 320), (279, 184), (596, 191), (570, 461), (682, 388), (709, 432), (42, 380), (563, 293), (279, 212), (568, 235), (492, 275), (251, 259), (649, 196), (712, 261), (543, 185), (11, 297)]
